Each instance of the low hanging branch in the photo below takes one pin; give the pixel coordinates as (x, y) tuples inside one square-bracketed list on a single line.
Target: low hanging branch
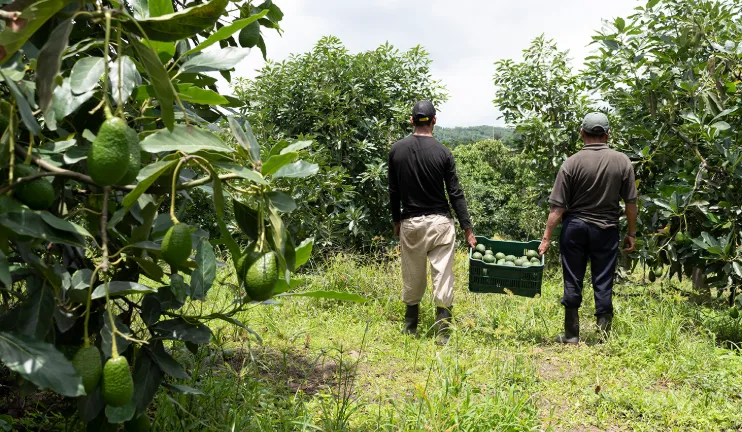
[(53, 171)]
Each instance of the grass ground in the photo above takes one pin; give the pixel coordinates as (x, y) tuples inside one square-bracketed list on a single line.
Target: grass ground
[(329, 365)]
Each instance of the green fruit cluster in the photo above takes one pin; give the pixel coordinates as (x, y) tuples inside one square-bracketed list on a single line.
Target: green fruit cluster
[(530, 259), (114, 158), (118, 386), (37, 194)]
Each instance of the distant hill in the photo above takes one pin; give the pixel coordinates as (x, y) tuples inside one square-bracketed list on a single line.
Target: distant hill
[(454, 137)]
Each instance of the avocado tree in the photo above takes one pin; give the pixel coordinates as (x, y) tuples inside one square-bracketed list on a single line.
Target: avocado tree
[(108, 114), (672, 73), (354, 105)]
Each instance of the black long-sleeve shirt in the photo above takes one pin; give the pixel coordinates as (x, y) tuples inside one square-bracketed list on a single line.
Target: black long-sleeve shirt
[(419, 169)]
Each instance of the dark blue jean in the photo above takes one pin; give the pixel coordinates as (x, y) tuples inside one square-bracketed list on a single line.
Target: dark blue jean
[(580, 242)]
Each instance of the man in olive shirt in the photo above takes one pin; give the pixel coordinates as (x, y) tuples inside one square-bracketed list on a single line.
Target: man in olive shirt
[(421, 172), (586, 196)]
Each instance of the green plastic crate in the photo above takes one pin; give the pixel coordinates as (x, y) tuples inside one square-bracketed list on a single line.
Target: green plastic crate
[(492, 278)]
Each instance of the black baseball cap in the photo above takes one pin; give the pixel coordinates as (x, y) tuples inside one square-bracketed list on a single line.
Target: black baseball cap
[(423, 111)]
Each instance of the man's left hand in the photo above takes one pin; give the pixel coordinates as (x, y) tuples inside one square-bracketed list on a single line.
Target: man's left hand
[(397, 227), (629, 244), (470, 239)]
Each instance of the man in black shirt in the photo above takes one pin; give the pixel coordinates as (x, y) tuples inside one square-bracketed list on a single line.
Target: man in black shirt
[(421, 171)]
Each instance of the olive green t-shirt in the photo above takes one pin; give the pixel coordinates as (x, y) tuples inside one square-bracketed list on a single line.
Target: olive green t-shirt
[(591, 184)]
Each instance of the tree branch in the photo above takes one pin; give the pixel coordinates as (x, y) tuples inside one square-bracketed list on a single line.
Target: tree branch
[(53, 171)]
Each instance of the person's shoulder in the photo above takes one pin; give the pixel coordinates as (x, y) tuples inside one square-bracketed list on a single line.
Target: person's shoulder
[(404, 141), (623, 157)]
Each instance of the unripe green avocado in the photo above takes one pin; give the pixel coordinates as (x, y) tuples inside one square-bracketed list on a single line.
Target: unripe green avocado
[(37, 194), (87, 362), (176, 246), (135, 163), (110, 155), (118, 386), (260, 275)]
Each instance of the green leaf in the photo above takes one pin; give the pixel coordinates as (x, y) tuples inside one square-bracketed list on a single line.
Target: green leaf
[(737, 268), (254, 146), (159, 78), (165, 50), (298, 169), (86, 74), (183, 389), (151, 310), (331, 295), (106, 335), (652, 3), (241, 137), (65, 102), (25, 109), (620, 24), (166, 362), (246, 218), (218, 197), (5, 277), (203, 277), (121, 414), (179, 329), (50, 59), (282, 201), (185, 138), (180, 25), (40, 363), (121, 288), (282, 286), (297, 146), (304, 251), (63, 224), (36, 14), (245, 173), (215, 60), (202, 96), (225, 32), (37, 312), (147, 378), (721, 125), (274, 163), (151, 269), (147, 176), (126, 82), (238, 323), (178, 287)]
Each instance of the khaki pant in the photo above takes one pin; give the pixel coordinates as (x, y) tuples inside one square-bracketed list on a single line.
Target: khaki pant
[(426, 238)]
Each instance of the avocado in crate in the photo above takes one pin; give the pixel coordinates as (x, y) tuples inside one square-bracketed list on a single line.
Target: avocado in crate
[(516, 268)]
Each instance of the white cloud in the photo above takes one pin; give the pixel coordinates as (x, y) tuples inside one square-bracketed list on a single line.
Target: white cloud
[(464, 37)]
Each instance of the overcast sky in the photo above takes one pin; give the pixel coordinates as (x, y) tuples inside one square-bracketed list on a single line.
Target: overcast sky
[(464, 37)]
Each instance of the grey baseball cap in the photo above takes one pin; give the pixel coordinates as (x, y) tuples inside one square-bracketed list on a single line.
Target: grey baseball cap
[(596, 123)]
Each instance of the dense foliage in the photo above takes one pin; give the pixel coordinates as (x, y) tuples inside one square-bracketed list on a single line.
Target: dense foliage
[(495, 183), (354, 106), (456, 136), (82, 84), (670, 77)]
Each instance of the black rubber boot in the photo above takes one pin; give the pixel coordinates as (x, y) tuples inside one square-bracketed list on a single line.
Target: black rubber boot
[(443, 324), (411, 317), (604, 324), (571, 327)]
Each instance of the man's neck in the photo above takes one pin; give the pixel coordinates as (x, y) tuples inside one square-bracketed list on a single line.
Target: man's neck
[(587, 143), (423, 132)]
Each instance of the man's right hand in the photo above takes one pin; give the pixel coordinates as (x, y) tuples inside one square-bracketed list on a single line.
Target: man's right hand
[(544, 246), (397, 226), (470, 238)]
